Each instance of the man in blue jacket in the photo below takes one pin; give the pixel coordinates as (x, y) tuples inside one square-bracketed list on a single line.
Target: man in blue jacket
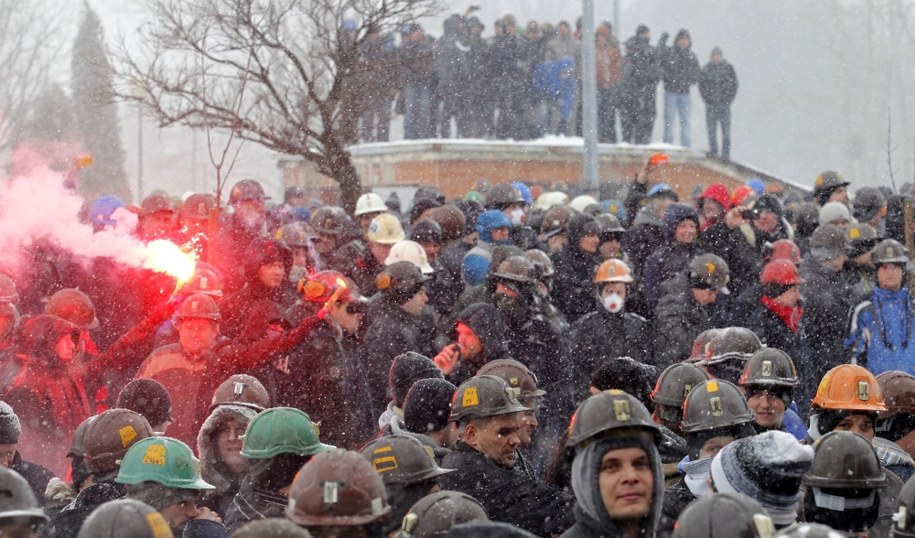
[(882, 333)]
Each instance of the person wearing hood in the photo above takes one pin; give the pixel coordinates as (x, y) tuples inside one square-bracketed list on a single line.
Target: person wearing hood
[(679, 70), (425, 416), (481, 338), (713, 204), (48, 392), (267, 265), (407, 369), (681, 228), (616, 473), (493, 228), (219, 445), (610, 331), (575, 264), (692, 304)]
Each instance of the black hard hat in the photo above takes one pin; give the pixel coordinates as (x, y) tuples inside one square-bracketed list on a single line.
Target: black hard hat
[(675, 383), (845, 460), (602, 413), (724, 514), (401, 459), (484, 396), (715, 404), (771, 367), (247, 189)]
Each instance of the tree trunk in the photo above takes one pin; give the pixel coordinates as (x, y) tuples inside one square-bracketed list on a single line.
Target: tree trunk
[(338, 165)]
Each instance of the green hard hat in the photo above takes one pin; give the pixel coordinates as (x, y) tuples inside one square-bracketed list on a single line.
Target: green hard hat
[(162, 460), (281, 430)]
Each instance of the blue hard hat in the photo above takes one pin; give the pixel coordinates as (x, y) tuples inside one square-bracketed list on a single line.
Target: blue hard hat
[(663, 189), (757, 185), (525, 192), (101, 209)]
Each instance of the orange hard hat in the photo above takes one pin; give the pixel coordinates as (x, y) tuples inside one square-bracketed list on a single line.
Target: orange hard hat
[(780, 271), (658, 158), (613, 270), (849, 387)]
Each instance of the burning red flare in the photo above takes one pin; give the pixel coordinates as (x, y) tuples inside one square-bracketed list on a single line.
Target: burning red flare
[(163, 256)]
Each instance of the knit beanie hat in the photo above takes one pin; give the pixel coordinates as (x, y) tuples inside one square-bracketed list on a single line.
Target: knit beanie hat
[(9, 425), (147, 397), (832, 212), (428, 405), (408, 368), (768, 468)]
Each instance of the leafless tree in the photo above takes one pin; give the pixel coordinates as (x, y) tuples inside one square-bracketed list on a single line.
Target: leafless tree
[(31, 43), (285, 74)]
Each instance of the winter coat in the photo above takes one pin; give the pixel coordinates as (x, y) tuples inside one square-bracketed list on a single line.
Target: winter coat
[(485, 322), (644, 237), (327, 383), (573, 291), (443, 288), (554, 81), (826, 312), (229, 250), (608, 65), (392, 331), (417, 63), (193, 379), (741, 248), (678, 321), (236, 308), (718, 83), (211, 468), (662, 265), (451, 58), (356, 261), (509, 63), (643, 70), (882, 336), (507, 495), (600, 336), (36, 475), (773, 332), (252, 504), (49, 395), (70, 520), (476, 263), (676, 498), (679, 66)]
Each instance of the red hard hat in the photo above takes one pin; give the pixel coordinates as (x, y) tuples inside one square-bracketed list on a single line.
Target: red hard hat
[(783, 249), (780, 272)]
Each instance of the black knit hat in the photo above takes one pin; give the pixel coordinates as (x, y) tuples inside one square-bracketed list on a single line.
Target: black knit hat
[(147, 397), (9, 425), (408, 368), (428, 405)]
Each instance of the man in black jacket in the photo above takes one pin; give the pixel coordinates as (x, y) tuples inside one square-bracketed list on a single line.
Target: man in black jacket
[(718, 86), (489, 414), (680, 70)]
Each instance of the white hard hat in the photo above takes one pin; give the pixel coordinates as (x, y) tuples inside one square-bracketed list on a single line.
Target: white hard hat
[(550, 199), (369, 203), (410, 251), (580, 202)]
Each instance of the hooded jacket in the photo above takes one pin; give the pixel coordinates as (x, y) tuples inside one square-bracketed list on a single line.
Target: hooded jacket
[(212, 469), (485, 322), (679, 66), (882, 335), (670, 259), (591, 517), (644, 237), (572, 290), (678, 321)]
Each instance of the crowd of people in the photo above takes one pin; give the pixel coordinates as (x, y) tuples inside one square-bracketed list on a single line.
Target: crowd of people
[(512, 363), (524, 83)]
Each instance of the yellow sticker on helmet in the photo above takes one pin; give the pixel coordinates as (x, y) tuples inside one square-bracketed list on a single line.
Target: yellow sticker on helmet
[(711, 385), (614, 392), (854, 233), (127, 434), (158, 525), (622, 411), (686, 388), (767, 368), (513, 381), (819, 181), (383, 281), (155, 455), (470, 398), (384, 460), (711, 267)]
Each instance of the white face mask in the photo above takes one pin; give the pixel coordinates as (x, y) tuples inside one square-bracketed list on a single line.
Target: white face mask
[(613, 303), (517, 216)]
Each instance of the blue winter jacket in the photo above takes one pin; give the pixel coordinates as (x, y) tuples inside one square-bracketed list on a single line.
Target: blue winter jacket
[(551, 85), (882, 332)]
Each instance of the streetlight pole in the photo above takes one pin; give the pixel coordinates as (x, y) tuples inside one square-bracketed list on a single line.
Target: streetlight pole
[(589, 96), (140, 151)]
